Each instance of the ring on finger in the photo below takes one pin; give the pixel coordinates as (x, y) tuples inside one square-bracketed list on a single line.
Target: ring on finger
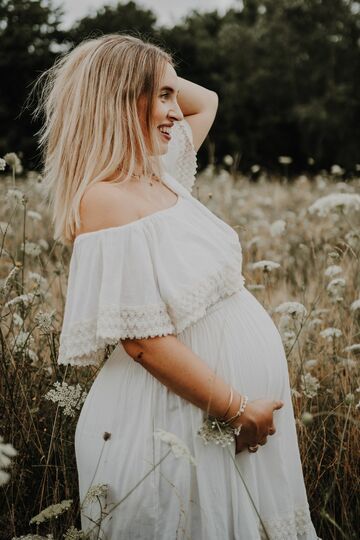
[(253, 448)]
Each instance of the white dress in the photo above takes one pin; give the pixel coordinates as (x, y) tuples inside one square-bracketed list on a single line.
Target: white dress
[(177, 271)]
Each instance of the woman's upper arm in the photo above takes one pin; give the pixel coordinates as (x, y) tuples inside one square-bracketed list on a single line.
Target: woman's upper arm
[(202, 121)]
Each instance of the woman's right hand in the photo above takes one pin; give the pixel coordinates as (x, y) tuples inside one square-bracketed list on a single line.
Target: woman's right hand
[(257, 423)]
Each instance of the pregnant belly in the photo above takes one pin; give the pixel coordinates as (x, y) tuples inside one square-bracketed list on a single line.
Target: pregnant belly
[(239, 340)]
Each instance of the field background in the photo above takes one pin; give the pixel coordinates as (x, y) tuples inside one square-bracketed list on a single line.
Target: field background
[(274, 224)]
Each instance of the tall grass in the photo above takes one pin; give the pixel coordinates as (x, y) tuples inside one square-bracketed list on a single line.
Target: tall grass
[(317, 269)]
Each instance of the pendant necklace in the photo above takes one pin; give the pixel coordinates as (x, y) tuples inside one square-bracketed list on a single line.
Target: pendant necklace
[(152, 176)]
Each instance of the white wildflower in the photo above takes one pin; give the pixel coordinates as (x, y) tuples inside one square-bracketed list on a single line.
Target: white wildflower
[(310, 363), (331, 333), (353, 239), (228, 160), (22, 340), (294, 309), (69, 397), (95, 492), (355, 305), (52, 511), (25, 299), (38, 280), (295, 393), (178, 447), (31, 248), (349, 399), (320, 311), (45, 321), (33, 356), (34, 215), (6, 228), (277, 228), (307, 418), (10, 279), (15, 196), (44, 244), (285, 160), (336, 287), (13, 161), (255, 287), (333, 270), (255, 168), (75, 534), (336, 170), (309, 385), (2, 164), (7, 451), (17, 320), (33, 537), (314, 322), (355, 347), (265, 266), (335, 201)]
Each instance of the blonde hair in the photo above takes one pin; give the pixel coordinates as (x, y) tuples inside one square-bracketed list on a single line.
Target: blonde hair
[(92, 129)]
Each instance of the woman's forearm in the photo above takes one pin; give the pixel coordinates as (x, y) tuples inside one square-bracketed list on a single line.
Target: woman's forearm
[(194, 98), (182, 371)]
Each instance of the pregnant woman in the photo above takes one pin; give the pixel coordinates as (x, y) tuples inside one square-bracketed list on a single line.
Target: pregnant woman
[(188, 430)]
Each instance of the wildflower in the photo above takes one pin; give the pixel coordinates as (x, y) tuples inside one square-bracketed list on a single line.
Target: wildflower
[(353, 239), (45, 320), (336, 287), (95, 492), (2, 164), (255, 168), (21, 340), (294, 309), (285, 160), (333, 270), (277, 228), (309, 385), (31, 248), (69, 397), (33, 537), (355, 347), (52, 511), (37, 279), (44, 244), (23, 298), (6, 228), (310, 363), (349, 399), (15, 196), (314, 322), (32, 355), (295, 393), (13, 161), (10, 279), (228, 160), (310, 160), (17, 320), (355, 305), (330, 333), (74, 534), (7, 451), (334, 202), (255, 287), (336, 170), (34, 215), (178, 447), (307, 418), (265, 266)]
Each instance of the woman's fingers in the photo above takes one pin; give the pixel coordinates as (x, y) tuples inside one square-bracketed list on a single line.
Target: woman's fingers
[(278, 404)]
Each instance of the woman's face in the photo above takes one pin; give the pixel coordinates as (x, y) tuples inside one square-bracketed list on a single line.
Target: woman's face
[(166, 109)]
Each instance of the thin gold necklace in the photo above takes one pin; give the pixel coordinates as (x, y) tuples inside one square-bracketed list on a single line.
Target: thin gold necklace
[(153, 176)]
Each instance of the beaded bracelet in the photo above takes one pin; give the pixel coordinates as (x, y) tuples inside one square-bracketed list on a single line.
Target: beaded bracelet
[(219, 431)]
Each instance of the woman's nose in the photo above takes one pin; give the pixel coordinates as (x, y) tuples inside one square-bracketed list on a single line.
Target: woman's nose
[(176, 113)]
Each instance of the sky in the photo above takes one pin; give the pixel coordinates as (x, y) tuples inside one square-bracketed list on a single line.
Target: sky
[(168, 11)]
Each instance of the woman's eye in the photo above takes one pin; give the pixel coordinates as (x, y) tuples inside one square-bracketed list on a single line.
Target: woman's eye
[(164, 95)]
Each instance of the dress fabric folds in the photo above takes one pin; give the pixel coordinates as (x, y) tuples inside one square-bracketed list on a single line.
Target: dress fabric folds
[(177, 271)]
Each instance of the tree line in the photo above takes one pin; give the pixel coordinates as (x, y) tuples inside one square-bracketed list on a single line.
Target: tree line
[(287, 73)]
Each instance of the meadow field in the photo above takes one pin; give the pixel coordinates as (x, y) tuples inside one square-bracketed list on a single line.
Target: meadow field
[(301, 259)]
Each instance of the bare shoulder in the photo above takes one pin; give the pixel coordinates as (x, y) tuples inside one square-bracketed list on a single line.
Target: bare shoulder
[(103, 206)]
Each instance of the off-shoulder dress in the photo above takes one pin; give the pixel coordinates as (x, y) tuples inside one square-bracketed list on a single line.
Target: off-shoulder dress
[(177, 271)]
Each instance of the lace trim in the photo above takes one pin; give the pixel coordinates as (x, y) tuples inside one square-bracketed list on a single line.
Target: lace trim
[(85, 343), (185, 166), (193, 303), (288, 526)]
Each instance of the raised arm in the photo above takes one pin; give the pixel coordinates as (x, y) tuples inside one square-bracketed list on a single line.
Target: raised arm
[(199, 106)]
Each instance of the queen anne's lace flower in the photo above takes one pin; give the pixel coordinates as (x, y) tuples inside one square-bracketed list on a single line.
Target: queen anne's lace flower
[(31, 248), (2, 164), (69, 397), (333, 270), (95, 492), (331, 333), (34, 215), (7, 451), (309, 385), (15, 196), (52, 511), (25, 299), (74, 534), (278, 227), (265, 266), (334, 202), (294, 309), (178, 447), (355, 305), (45, 321), (355, 347)]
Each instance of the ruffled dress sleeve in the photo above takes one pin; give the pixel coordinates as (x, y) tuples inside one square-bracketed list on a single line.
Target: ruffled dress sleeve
[(112, 294), (180, 160)]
